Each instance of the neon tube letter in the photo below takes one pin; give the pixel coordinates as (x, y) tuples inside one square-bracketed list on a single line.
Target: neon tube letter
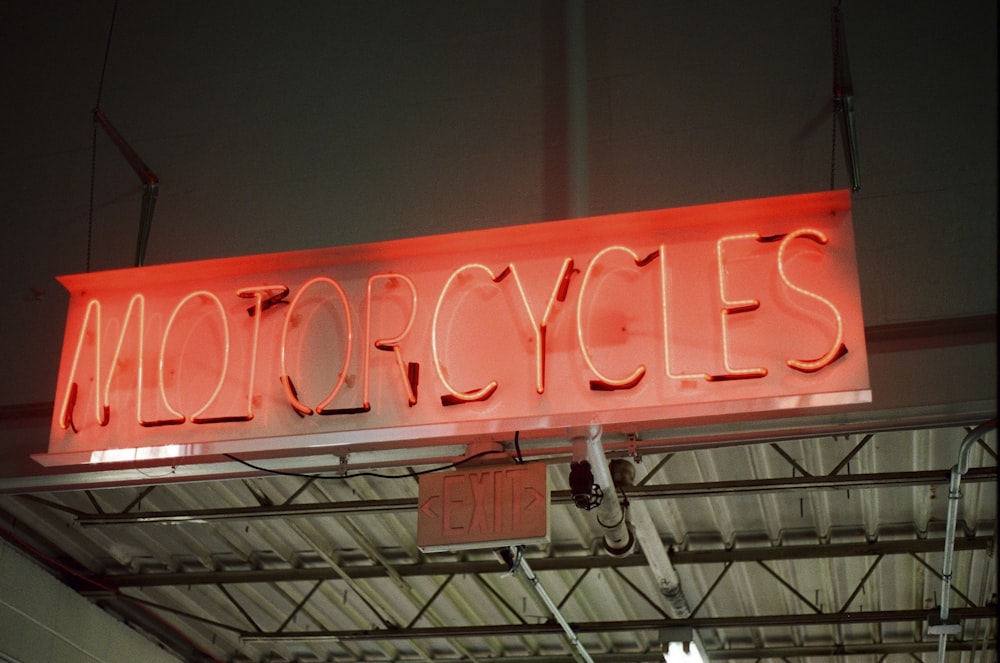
[(286, 381), (275, 294), (103, 405), (140, 301), (407, 371), (664, 300), (455, 397), (731, 308), (837, 349), (179, 417), (603, 382), (72, 389), (558, 295)]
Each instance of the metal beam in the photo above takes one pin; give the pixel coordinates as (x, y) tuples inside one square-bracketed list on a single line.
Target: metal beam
[(564, 562), (756, 654), (551, 628), (873, 649), (559, 497)]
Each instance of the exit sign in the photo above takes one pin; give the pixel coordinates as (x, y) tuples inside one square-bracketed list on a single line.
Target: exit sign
[(483, 508)]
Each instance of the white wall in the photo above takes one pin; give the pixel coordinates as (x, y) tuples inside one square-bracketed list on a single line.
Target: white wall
[(43, 621)]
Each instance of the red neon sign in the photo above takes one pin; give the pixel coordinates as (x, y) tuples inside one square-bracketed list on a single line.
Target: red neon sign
[(728, 309)]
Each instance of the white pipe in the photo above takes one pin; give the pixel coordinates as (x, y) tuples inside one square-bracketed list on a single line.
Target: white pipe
[(618, 539), (954, 495), (656, 555)]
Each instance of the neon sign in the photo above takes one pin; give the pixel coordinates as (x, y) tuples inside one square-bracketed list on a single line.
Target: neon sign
[(735, 309)]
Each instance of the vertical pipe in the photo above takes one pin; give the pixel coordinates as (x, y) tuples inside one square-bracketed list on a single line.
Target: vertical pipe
[(618, 539), (954, 495)]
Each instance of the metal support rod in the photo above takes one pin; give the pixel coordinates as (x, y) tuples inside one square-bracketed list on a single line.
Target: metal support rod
[(427, 604), (298, 607), (861, 585), (529, 575), (708, 592), (640, 593), (852, 454), (789, 587), (150, 184), (843, 99), (791, 461), (240, 608)]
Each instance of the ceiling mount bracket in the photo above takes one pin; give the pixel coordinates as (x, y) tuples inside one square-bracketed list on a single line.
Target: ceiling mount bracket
[(150, 184), (843, 98)]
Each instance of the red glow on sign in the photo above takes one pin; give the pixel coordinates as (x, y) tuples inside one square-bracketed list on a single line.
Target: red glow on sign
[(724, 309)]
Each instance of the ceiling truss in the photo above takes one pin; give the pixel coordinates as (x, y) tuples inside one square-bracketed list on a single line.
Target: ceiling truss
[(152, 597)]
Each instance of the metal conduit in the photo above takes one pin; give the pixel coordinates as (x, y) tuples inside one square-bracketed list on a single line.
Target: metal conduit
[(519, 564), (954, 495), (656, 555), (619, 537)]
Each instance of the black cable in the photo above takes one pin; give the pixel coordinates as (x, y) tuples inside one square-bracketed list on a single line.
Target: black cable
[(93, 138), (836, 101), (93, 175), (107, 49), (517, 447), (376, 475)]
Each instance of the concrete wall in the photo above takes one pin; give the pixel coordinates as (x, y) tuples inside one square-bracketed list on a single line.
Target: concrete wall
[(42, 620)]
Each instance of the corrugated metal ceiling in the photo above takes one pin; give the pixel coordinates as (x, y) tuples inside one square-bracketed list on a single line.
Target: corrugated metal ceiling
[(825, 549)]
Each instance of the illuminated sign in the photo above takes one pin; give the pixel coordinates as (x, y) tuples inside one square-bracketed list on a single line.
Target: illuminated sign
[(744, 309), (493, 506)]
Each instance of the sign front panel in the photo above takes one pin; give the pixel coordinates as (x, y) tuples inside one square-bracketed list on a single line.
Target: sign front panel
[(743, 309)]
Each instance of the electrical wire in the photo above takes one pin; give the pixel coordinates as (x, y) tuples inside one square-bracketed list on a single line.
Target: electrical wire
[(836, 74), (377, 475), (93, 137)]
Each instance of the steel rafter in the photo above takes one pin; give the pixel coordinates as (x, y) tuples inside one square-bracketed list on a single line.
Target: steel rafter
[(711, 589), (564, 562), (884, 650), (551, 628), (777, 576), (643, 595), (559, 497), (861, 584)]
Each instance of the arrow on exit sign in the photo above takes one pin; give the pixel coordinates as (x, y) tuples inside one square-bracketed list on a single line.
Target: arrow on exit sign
[(483, 508)]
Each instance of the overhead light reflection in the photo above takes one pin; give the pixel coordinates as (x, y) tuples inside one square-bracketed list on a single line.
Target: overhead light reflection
[(681, 652), (681, 645)]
